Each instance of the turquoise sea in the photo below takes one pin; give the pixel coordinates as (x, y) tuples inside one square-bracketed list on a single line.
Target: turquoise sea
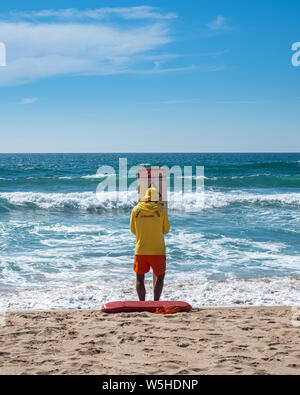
[(64, 247)]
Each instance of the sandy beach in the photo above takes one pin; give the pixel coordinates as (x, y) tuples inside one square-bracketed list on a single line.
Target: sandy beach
[(244, 340)]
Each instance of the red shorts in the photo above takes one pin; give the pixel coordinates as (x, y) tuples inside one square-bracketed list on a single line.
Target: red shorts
[(142, 264)]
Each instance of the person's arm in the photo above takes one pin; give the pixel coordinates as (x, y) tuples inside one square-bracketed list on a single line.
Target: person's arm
[(132, 222), (166, 224)]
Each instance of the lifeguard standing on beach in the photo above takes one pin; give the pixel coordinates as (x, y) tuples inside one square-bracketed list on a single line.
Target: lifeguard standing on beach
[(149, 223)]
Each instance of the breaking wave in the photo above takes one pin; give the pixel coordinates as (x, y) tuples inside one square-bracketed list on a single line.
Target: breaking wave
[(92, 201)]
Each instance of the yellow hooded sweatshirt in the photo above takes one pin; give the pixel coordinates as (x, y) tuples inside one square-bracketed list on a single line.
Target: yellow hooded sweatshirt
[(149, 223)]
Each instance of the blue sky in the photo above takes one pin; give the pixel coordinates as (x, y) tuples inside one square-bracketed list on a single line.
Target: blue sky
[(153, 76)]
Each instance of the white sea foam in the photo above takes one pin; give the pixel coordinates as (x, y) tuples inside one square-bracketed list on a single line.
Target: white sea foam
[(177, 201), (68, 254), (220, 199), (77, 200), (78, 257), (198, 292), (98, 175), (82, 265)]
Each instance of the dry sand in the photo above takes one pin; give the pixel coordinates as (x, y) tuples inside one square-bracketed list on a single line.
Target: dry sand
[(252, 340)]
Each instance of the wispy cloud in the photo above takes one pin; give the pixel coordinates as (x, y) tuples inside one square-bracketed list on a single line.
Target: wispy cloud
[(220, 53), (82, 43), (184, 101), (199, 101), (28, 100), (219, 23), (157, 69), (244, 102), (139, 12)]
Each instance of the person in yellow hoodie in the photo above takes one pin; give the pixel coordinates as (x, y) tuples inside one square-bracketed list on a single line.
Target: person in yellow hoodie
[(149, 223)]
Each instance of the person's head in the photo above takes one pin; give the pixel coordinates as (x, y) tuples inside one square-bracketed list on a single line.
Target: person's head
[(152, 195)]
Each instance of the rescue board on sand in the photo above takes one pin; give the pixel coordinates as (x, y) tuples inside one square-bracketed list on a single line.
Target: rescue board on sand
[(130, 307)]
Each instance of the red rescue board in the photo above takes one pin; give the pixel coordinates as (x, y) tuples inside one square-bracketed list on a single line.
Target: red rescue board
[(131, 307)]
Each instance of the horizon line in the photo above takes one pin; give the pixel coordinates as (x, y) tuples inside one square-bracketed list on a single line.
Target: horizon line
[(149, 152)]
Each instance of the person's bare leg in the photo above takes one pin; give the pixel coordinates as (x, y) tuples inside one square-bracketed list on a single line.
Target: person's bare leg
[(158, 284), (140, 287)]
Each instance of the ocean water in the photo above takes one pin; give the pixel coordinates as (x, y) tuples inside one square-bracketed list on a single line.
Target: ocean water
[(64, 247)]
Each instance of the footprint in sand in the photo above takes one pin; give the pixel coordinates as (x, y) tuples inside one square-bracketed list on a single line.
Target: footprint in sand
[(293, 365), (92, 351)]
